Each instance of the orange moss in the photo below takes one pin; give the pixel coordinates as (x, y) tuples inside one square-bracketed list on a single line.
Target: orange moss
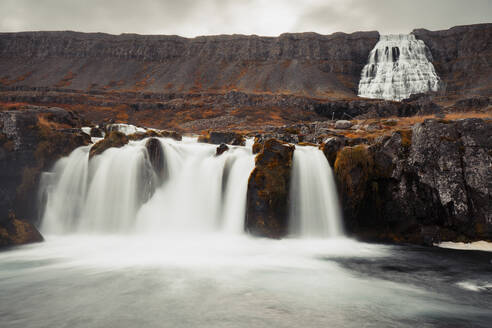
[(66, 80)]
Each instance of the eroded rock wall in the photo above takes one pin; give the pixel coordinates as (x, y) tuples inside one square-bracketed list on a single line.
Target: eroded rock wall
[(462, 57), (429, 184), (306, 63), (31, 140)]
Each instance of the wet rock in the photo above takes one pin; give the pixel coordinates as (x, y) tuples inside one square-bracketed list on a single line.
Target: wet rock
[(32, 138), (257, 145), (97, 132), (155, 133), (218, 137), (113, 139), (221, 149), (343, 124), (430, 183), (268, 190), (156, 157), (17, 232), (330, 148)]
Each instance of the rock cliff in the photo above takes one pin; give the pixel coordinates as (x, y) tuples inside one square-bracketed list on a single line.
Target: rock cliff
[(462, 57), (423, 185), (31, 140), (306, 63)]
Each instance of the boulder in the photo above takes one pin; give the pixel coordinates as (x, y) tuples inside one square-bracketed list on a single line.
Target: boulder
[(343, 124), (330, 148), (268, 190), (156, 133), (218, 137), (17, 232), (221, 149), (112, 139)]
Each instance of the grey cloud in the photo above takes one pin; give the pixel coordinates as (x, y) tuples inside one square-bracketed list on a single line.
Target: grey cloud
[(194, 17), (395, 16)]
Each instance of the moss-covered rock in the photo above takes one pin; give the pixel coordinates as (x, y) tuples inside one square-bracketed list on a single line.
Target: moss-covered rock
[(331, 147), (219, 137), (32, 138), (354, 167), (257, 145), (17, 232), (424, 185), (268, 190), (113, 139), (156, 134)]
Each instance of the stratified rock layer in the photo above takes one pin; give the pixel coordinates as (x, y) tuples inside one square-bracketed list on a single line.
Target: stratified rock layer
[(306, 63), (462, 57)]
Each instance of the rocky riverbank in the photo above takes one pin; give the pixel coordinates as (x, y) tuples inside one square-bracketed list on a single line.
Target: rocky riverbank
[(32, 138), (422, 185)]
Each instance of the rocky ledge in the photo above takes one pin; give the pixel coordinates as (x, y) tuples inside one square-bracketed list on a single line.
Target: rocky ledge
[(32, 138), (422, 185)]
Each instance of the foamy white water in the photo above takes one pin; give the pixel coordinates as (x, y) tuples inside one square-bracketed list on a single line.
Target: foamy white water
[(118, 191), (475, 246), (399, 66), (315, 210)]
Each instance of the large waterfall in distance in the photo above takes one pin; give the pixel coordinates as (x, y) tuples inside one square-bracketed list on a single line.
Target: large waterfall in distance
[(399, 66), (118, 192)]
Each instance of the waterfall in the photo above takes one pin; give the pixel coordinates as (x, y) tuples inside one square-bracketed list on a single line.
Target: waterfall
[(118, 191), (314, 205), (399, 66)]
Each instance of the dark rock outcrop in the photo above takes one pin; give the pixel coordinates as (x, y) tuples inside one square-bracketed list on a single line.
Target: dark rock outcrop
[(156, 134), (156, 157), (268, 190), (331, 147), (31, 140), (220, 137), (462, 57), (222, 148), (113, 139), (348, 109), (429, 184), (17, 232)]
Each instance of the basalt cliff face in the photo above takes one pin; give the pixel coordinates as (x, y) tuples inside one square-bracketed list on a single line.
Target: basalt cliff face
[(307, 63), (462, 57), (230, 82)]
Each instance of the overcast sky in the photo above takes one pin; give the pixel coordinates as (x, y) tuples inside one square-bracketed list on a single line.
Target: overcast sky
[(261, 17)]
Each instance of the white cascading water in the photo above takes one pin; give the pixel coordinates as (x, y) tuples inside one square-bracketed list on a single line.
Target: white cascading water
[(314, 211), (198, 192), (114, 192), (399, 66)]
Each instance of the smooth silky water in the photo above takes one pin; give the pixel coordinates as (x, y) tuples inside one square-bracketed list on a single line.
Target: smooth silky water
[(127, 248)]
